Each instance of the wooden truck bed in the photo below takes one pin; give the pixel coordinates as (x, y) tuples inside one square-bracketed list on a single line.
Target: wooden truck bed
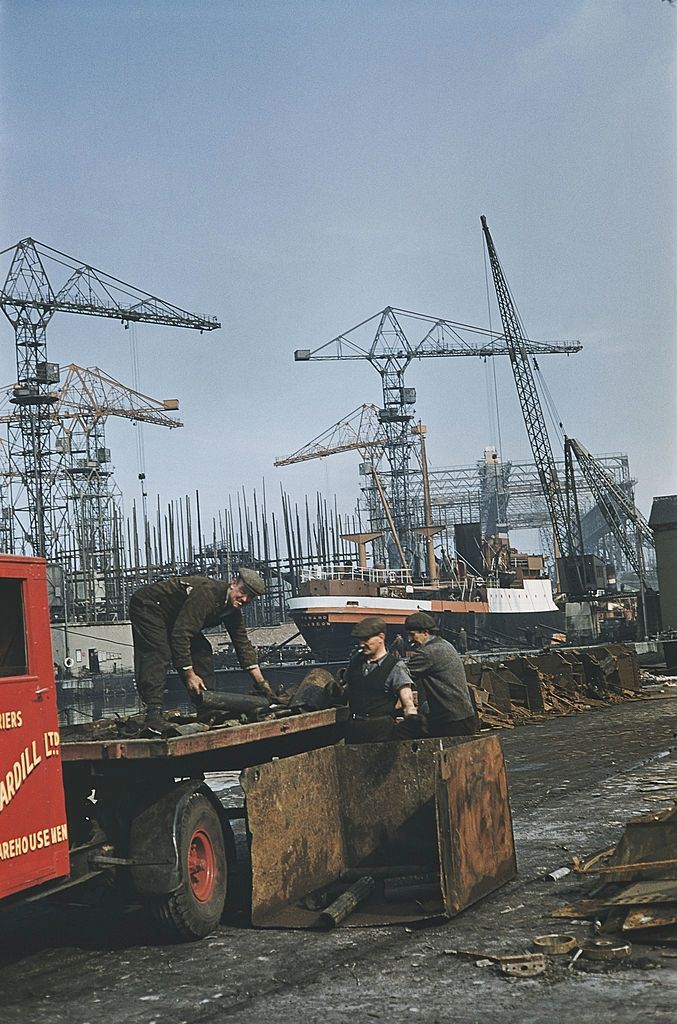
[(255, 736)]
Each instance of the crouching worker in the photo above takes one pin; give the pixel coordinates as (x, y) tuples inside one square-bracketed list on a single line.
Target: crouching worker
[(167, 621), (374, 681), (438, 672)]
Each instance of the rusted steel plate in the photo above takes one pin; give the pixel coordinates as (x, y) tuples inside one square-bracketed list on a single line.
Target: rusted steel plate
[(647, 839), (477, 852), (658, 891), (388, 801), (294, 818), (650, 916), (214, 739)]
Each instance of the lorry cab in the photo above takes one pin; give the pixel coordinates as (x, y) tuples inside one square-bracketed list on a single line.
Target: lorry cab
[(33, 830)]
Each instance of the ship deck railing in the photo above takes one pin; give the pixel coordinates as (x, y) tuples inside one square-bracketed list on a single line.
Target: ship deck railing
[(384, 577)]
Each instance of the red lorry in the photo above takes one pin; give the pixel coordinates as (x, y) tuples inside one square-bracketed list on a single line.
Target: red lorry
[(136, 809)]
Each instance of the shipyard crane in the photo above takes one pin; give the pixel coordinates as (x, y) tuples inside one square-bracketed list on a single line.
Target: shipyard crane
[(566, 530), (390, 340), (362, 431), (90, 536), (29, 298)]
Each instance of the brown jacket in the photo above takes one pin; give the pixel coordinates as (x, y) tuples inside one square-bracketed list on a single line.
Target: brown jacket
[(188, 605)]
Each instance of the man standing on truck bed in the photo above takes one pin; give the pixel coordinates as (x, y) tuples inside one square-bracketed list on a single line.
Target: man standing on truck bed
[(167, 621)]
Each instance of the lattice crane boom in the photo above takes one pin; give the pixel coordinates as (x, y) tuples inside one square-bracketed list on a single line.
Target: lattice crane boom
[(441, 338), (360, 430), (89, 393), (616, 506), (86, 290), (568, 539)]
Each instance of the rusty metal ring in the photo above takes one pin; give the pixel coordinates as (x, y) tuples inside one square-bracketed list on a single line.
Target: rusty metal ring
[(554, 945)]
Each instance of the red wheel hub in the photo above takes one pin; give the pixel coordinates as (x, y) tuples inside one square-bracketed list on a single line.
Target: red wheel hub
[(201, 865)]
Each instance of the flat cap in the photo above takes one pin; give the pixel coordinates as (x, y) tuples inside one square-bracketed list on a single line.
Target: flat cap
[(421, 621), (369, 626), (252, 581)]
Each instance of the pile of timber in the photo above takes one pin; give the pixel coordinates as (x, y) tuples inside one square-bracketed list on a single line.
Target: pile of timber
[(555, 682), (636, 897)]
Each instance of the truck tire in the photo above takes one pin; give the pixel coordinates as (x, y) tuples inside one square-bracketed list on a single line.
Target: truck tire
[(195, 908)]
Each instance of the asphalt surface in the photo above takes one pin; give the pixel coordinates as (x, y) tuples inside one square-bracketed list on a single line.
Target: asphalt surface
[(574, 782)]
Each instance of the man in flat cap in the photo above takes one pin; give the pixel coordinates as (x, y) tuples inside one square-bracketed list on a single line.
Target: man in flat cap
[(167, 621), (374, 682), (437, 669)]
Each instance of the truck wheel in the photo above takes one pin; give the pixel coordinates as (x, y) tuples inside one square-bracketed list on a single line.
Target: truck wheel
[(195, 908)]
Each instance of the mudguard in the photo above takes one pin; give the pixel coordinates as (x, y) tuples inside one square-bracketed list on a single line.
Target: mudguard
[(154, 838)]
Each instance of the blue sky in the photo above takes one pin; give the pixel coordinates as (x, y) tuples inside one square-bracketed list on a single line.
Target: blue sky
[(293, 167)]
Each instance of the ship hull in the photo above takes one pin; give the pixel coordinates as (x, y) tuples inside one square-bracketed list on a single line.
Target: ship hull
[(326, 623)]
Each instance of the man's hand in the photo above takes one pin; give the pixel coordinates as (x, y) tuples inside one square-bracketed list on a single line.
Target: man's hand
[(194, 683), (263, 687)]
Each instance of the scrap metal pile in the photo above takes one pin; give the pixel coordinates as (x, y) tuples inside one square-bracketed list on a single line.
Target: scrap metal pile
[(560, 682), (637, 896), (318, 691)]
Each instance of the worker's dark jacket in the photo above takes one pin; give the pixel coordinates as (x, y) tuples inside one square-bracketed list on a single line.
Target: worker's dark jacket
[(374, 693), (438, 672), (189, 604)]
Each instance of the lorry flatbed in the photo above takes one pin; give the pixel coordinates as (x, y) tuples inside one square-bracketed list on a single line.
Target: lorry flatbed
[(230, 738)]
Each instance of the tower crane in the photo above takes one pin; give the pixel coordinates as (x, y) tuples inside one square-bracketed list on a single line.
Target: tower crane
[(90, 539), (566, 530), (390, 340), (29, 298)]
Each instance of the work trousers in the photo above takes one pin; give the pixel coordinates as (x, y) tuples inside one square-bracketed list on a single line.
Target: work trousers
[(153, 655), (378, 729)]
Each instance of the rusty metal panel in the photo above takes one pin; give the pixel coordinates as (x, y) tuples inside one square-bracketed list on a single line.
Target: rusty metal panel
[(477, 852), (652, 891), (294, 818), (646, 841), (650, 916), (388, 801)]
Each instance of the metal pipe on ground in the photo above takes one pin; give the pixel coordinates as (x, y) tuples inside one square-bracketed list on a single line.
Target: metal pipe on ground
[(342, 907)]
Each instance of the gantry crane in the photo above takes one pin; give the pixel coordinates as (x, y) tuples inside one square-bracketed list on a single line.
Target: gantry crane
[(390, 349), (29, 298), (91, 540), (566, 528)]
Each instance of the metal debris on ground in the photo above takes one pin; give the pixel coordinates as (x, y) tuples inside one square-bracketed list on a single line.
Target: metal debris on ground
[(527, 965), (554, 944), (556, 682), (638, 894), (603, 949), (554, 876), (345, 904)]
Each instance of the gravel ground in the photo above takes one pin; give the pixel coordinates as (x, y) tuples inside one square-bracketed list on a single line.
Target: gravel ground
[(574, 782)]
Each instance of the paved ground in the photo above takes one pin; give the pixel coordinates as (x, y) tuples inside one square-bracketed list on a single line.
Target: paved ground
[(574, 782)]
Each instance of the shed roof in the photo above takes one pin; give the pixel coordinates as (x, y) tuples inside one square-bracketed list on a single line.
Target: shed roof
[(663, 512)]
